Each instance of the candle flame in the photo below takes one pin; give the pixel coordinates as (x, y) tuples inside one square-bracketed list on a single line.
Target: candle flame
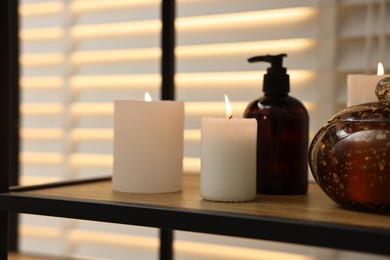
[(148, 97), (228, 108), (381, 70)]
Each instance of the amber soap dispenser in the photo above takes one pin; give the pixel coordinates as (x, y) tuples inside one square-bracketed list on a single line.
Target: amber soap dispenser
[(283, 133)]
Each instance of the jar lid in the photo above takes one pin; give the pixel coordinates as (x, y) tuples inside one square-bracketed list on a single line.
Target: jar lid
[(374, 112)]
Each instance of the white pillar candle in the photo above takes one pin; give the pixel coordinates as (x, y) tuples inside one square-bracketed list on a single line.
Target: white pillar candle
[(361, 88), (228, 159), (148, 146)]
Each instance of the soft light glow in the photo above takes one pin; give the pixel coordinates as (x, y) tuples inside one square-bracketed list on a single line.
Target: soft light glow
[(206, 22), (310, 106), (115, 29), (243, 48), (41, 82), (184, 80), (216, 251), (43, 59), (41, 34), (119, 240), (191, 165), (234, 79), (115, 55), (381, 70), (41, 133), (41, 158), (93, 5), (141, 81), (218, 77), (252, 18), (191, 108), (148, 97), (188, 249), (208, 50), (228, 108), (34, 180), (41, 231), (84, 109), (41, 109), (83, 134), (45, 8), (192, 135), (95, 160), (212, 108)]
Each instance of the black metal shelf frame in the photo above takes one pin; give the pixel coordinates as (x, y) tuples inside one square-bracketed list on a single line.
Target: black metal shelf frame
[(9, 115)]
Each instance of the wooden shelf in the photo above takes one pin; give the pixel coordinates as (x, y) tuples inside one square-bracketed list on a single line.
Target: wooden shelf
[(311, 219)]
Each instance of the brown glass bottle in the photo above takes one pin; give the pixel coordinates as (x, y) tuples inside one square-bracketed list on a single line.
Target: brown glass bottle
[(282, 144), (283, 133)]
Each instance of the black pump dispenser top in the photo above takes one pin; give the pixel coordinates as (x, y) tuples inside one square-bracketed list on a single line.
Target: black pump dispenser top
[(276, 81)]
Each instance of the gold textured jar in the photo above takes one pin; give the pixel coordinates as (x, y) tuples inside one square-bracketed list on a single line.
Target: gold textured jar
[(350, 156)]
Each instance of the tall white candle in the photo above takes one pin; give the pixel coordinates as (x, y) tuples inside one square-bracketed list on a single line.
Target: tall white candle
[(361, 88), (228, 159), (148, 146)]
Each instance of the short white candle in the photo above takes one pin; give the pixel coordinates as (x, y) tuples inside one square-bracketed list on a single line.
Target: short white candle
[(148, 146), (228, 159), (361, 88)]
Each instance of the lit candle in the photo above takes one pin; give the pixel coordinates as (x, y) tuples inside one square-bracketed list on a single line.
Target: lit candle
[(148, 146), (361, 88), (228, 158)]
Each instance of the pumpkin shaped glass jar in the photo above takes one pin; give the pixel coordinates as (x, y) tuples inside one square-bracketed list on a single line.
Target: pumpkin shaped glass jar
[(350, 156)]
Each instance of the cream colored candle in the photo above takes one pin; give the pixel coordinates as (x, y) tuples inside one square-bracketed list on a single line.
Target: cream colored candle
[(361, 88), (228, 159), (148, 146)]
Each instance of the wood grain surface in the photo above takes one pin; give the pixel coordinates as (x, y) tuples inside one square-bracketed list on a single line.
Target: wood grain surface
[(314, 206)]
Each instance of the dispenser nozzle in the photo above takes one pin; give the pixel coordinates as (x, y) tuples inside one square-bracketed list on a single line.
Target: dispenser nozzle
[(275, 60), (276, 81)]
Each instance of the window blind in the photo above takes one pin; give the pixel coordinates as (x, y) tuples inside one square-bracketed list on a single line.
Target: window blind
[(77, 57)]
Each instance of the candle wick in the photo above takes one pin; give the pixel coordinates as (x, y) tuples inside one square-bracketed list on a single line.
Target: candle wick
[(231, 117)]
